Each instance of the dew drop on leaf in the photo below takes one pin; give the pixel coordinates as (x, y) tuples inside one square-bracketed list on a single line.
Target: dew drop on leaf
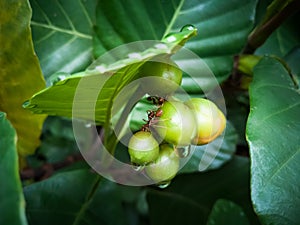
[(188, 27), (161, 46), (27, 105), (53, 79), (101, 68), (134, 55)]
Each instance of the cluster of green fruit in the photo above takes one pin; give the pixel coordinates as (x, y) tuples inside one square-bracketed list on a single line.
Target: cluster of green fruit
[(175, 124)]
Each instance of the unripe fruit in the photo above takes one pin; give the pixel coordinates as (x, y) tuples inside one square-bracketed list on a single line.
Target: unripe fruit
[(166, 77), (165, 167), (211, 121), (177, 124), (143, 148)]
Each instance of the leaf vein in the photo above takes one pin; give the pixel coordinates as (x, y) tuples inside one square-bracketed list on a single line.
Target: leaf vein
[(175, 16), (61, 30), (283, 165)]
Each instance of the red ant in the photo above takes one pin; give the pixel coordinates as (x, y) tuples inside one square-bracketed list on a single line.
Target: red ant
[(159, 101), (151, 119)]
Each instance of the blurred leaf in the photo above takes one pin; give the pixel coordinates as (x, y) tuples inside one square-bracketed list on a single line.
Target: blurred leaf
[(20, 73), (74, 197), (214, 154), (12, 204), (225, 212), (58, 140), (62, 34), (106, 81), (119, 22), (283, 39), (190, 197), (237, 106), (275, 155)]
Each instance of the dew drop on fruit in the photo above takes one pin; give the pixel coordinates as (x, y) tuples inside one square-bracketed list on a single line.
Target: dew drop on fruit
[(188, 27), (183, 152), (164, 184), (137, 167), (88, 125)]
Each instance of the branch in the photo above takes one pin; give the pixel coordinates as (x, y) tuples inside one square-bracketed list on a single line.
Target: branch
[(261, 33), (46, 170)]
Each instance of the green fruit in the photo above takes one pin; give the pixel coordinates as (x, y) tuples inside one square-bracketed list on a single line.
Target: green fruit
[(211, 121), (166, 77), (165, 167), (143, 148), (177, 124)]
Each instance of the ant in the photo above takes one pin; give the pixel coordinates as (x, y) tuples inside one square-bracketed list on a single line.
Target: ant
[(156, 100), (151, 119)]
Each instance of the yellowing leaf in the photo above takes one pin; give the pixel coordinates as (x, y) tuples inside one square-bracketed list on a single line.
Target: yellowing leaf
[(20, 73)]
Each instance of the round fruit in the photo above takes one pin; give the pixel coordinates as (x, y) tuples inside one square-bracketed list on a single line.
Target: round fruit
[(211, 121), (165, 167), (166, 77), (143, 148), (177, 124)]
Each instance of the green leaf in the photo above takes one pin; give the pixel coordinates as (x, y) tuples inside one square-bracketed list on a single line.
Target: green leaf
[(20, 73), (214, 154), (12, 204), (119, 22), (283, 39), (190, 197), (292, 59), (273, 135), (74, 197), (104, 80), (62, 34), (58, 140), (226, 212)]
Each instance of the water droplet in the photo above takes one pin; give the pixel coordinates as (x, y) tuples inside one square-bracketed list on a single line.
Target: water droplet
[(170, 38), (134, 55), (164, 184), (188, 27), (137, 167), (101, 68), (28, 105), (88, 125), (57, 77), (161, 46), (183, 152)]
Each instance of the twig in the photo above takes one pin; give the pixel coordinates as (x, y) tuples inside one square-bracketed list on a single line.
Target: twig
[(46, 170)]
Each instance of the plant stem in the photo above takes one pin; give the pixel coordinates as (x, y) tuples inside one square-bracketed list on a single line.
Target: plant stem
[(262, 32)]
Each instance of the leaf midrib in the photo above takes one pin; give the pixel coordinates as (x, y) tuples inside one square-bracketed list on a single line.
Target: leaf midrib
[(61, 30), (175, 16)]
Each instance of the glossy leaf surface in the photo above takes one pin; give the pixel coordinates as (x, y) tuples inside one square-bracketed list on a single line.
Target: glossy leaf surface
[(62, 34), (87, 199), (272, 133), (226, 212), (12, 204), (216, 42)]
